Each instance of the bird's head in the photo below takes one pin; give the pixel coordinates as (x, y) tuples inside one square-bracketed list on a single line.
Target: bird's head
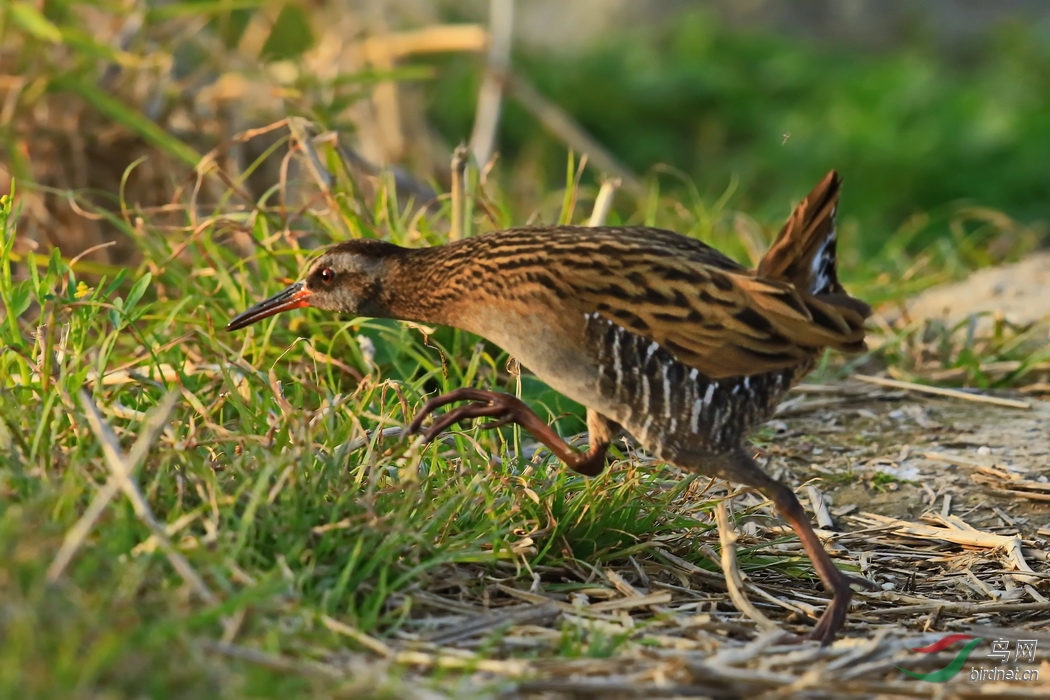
[(347, 278)]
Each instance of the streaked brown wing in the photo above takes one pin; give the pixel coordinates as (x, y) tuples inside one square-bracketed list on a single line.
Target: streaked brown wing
[(724, 323)]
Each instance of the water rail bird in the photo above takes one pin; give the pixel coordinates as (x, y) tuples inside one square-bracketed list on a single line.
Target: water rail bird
[(656, 334)]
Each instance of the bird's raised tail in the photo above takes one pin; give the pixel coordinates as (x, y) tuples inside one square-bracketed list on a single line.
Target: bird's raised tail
[(804, 251), (803, 254)]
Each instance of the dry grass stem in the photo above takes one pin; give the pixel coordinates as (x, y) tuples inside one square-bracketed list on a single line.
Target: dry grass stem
[(942, 391), (734, 579), (957, 531), (604, 201), (122, 467), (441, 38), (820, 507), (460, 202), (490, 95)]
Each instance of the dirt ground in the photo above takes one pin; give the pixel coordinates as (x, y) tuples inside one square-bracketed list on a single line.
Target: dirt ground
[(900, 454), (1017, 292), (943, 503)]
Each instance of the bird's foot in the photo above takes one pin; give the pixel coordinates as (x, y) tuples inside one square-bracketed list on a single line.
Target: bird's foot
[(834, 616), (504, 408)]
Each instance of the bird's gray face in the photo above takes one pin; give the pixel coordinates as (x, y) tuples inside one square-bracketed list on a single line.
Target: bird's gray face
[(346, 281)]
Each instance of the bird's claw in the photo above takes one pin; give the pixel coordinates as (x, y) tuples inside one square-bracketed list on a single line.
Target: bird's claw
[(832, 620), (862, 582), (485, 404)]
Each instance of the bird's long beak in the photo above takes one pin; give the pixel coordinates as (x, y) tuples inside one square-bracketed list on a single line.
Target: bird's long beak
[(295, 297)]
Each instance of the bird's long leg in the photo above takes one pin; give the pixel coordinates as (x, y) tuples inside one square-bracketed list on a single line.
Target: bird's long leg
[(740, 467), (505, 408)]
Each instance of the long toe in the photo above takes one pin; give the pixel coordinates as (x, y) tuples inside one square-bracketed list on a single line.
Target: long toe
[(473, 410), (862, 582), (484, 402), (833, 619)]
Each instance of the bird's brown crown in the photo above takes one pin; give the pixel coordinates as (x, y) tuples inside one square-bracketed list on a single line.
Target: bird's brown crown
[(350, 277)]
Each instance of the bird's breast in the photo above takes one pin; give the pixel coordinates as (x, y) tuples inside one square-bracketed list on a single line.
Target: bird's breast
[(668, 406), (553, 346)]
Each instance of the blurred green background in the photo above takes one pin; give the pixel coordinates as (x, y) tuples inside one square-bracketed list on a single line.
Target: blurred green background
[(911, 129), (916, 127), (938, 114)]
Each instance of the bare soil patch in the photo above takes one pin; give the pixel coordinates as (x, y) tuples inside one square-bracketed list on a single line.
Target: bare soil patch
[(1016, 292)]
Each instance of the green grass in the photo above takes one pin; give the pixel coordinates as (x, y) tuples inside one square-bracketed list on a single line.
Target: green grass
[(883, 481), (941, 353), (287, 529), (294, 539), (288, 532), (257, 481)]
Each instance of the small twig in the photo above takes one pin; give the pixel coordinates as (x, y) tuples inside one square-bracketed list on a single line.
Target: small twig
[(820, 507), (962, 461), (559, 123), (271, 661), (941, 391), (460, 160), (622, 585), (490, 96), (365, 640), (709, 577), (604, 201), (734, 581), (542, 613), (633, 602)]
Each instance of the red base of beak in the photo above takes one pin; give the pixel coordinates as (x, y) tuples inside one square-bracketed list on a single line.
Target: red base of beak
[(294, 297)]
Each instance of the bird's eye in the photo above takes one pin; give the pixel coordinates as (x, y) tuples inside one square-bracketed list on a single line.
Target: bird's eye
[(326, 275)]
